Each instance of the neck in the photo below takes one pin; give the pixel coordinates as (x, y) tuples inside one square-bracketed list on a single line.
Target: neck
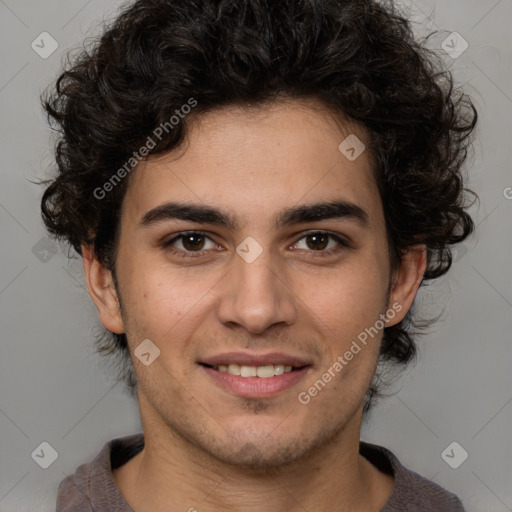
[(171, 470)]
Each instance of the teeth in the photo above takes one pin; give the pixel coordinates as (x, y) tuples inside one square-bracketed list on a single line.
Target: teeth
[(248, 371), (263, 372), (278, 369), (233, 369)]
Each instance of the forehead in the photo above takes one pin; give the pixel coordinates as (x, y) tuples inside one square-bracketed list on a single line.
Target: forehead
[(256, 161)]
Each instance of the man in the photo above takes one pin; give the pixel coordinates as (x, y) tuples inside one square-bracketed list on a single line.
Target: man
[(258, 190)]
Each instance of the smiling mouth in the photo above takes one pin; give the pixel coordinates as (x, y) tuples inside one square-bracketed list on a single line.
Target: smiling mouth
[(263, 372)]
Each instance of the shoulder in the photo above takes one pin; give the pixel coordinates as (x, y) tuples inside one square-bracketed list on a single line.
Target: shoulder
[(411, 491), (92, 487), (74, 491)]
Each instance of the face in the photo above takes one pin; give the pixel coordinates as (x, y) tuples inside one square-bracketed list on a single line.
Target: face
[(255, 247)]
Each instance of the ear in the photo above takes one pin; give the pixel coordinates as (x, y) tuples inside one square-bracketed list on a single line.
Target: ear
[(406, 281), (100, 285)]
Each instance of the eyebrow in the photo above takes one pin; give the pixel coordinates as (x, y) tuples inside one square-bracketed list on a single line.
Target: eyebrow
[(339, 209), (323, 211)]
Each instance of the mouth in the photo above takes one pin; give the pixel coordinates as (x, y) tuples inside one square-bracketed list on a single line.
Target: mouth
[(255, 376)]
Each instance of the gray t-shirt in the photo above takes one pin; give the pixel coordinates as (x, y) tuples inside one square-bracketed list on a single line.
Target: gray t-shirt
[(92, 488)]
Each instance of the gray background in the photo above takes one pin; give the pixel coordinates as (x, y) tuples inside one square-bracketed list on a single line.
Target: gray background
[(54, 388)]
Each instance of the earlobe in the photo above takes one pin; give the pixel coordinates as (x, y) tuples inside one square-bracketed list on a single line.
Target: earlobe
[(407, 280), (100, 285)]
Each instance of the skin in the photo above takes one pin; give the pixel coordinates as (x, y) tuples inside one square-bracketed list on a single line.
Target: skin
[(207, 448)]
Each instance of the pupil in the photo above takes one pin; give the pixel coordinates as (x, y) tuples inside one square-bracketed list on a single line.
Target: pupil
[(318, 241), (193, 242)]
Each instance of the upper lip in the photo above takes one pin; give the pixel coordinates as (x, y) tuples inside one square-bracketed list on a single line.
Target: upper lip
[(248, 359)]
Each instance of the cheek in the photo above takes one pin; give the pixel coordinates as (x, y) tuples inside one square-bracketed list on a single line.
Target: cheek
[(348, 299), (158, 304)]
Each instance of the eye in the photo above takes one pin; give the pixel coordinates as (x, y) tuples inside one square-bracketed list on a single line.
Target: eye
[(196, 243), (191, 241), (320, 241)]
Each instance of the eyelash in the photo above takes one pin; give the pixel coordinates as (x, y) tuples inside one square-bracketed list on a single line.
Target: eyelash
[(342, 243)]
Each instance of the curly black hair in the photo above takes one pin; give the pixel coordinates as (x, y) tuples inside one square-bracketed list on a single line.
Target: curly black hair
[(357, 57)]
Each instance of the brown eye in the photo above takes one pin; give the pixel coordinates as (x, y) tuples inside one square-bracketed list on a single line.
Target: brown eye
[(324, 243), (317, 241), (193, 242)]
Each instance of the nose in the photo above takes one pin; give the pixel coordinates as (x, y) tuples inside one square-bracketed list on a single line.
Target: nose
[(256, 296)]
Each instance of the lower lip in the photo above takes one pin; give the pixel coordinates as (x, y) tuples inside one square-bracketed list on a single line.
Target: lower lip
[(256, 387)]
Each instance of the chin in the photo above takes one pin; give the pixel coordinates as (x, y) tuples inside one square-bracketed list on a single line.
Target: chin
[(257, 455), (266, 446)]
